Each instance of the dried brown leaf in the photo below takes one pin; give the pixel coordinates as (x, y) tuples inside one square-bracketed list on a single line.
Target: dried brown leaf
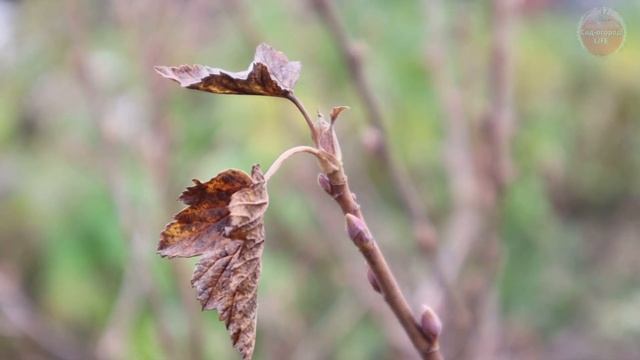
[(270, 74), (224, 223)]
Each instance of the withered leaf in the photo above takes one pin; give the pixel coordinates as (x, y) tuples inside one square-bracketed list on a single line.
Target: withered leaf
[(224, 223), (270, 74)]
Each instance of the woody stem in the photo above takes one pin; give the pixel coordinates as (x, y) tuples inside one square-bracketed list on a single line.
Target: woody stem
[(339, 190)]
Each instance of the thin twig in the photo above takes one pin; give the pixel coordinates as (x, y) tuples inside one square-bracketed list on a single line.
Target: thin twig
[(464, 225), (423, 229), (499, 124), (465, 218), (496, 172), (400, 346), (477, 174), (394, 297), (340, 191), (285, 155), (405, 189), (305, 114)]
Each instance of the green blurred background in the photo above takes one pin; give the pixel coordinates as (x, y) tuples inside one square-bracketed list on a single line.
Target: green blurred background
[(95, 148)]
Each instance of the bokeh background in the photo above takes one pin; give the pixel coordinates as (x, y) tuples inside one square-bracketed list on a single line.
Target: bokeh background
[(541, 227)]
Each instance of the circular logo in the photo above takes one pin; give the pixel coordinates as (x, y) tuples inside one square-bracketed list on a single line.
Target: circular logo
[(601, 31)]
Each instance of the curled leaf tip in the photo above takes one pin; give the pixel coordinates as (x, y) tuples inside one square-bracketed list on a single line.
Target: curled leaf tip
[(185, 75), (335, 112)]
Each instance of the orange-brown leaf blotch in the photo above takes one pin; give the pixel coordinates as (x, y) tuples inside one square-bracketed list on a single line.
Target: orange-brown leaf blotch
[(270, 74), (224, 223)]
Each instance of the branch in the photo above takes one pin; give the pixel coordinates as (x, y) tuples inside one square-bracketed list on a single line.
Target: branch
[(499, 122), (465, 219), (496, 173), (405, 189), (334, 182), (425, 342)]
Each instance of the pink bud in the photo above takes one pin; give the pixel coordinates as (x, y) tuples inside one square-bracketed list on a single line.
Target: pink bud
[(357, 230), (324, 183), (373, 281), (430, 324)]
